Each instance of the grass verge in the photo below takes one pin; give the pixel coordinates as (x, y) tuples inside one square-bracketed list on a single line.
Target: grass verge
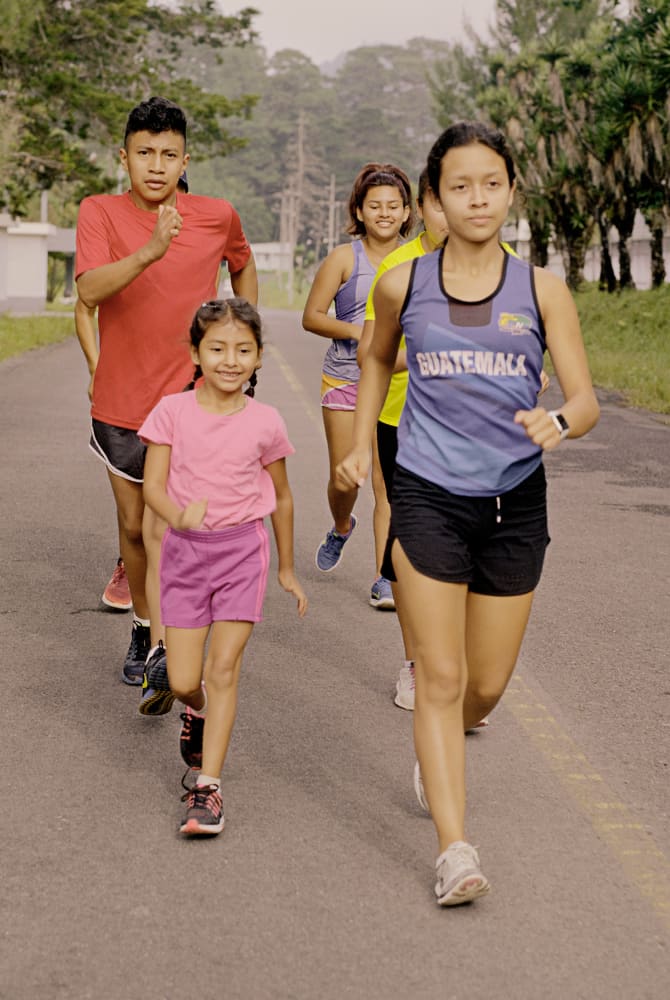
[(23, 333)]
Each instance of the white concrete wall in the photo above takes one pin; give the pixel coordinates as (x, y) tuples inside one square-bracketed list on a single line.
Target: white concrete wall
[(23, 266)]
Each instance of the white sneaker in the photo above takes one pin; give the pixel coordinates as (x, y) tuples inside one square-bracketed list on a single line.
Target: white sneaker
[(404, 689), (459, 877), (482, 724), (419, 789)]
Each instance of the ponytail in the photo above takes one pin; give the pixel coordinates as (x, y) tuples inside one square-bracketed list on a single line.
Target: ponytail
[(251, 390), (196, 375)]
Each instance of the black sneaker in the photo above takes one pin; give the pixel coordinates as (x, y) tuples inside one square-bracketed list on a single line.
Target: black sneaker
[(204, 810), (190, 738), (140, 644), (157, 699)]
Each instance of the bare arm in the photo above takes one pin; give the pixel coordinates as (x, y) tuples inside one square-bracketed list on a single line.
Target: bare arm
[(364, 346), (245, 281), (156, 468), (102, 282), (88, 339), (566, 348), (332, 273), (376, 374), (282, 525)]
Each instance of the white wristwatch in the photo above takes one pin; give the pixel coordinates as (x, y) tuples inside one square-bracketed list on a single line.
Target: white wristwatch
[(560, 423)]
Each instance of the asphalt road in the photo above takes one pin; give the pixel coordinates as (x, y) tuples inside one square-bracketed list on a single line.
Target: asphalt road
[(320, 888)]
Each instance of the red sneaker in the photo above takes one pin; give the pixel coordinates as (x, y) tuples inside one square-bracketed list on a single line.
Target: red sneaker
[(117, 591)]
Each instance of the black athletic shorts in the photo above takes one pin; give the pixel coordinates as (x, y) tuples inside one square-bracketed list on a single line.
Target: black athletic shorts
[(120, 449), (387, 446), (494, 544)]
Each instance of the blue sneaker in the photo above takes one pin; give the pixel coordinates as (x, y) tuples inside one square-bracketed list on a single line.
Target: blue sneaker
[(140, 643), (157, 699), (329, 552), (381, 595)]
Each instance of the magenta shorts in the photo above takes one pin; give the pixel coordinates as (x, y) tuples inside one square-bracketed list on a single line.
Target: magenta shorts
[(214, 576)]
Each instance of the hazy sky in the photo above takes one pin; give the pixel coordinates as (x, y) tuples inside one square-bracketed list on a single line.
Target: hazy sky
[(323, 29)]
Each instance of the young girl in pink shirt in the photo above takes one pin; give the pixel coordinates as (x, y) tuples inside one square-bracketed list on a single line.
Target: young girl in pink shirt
[(215, 467)]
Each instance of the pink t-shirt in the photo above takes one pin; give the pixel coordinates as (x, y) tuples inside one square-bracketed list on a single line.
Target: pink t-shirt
[(144, 349), (222, 458)]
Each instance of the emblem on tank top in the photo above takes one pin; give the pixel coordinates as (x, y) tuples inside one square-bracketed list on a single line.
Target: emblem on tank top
[(515, 323)]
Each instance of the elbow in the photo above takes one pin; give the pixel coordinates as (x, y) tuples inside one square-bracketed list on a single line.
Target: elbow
[(307, 322)]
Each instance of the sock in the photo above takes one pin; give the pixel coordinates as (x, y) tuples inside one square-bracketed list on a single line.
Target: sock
[(409, 663), (207, 779), (152, 651), (144, 622), (203, 711)]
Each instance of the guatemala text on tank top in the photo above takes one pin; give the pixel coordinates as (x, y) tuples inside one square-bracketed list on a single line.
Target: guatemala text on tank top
[(472, 365), (340, 359)]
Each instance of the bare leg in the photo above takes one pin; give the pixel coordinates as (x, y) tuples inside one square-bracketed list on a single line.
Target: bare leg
[(448, 624), (339, 425), (494, 632), (382, 512), (186, 651), (130, 508), (436, 615), (222, 673), (403, 621), (153, 529)]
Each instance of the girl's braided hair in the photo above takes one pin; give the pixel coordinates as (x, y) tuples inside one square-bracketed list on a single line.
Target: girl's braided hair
[(237, 310)]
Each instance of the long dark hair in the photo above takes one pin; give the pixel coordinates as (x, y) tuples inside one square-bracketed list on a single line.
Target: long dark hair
[(379, 175), (237, 310)]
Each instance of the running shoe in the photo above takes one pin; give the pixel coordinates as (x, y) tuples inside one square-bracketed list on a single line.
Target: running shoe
[(204, 810), (116, 594), (190, 738), (419, 789), (329, 553), (381, 595), (459, 877), (482, 724), (138, 650), (404, 687), (157, 699)]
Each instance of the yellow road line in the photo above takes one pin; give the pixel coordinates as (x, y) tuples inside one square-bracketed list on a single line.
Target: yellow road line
[(640, 857)]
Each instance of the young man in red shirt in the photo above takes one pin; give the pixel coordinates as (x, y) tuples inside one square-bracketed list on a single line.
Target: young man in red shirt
[(147, 259)]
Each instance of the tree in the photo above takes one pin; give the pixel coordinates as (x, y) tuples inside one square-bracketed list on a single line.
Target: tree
[(60, 121), (633, 111)]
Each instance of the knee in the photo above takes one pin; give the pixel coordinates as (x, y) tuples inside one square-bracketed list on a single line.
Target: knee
[(484, 693), (220, 673), (441, 686), (181, 691), (131, 529)]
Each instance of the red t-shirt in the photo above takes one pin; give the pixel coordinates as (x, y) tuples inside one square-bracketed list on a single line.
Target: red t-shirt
[(144, 343)]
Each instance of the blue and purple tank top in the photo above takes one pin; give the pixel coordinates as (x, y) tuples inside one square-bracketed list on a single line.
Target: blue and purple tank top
[(340, 359), (472, 365)]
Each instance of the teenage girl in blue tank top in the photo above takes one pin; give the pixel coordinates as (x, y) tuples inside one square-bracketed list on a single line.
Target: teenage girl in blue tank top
[(468, 526), (380, 211)]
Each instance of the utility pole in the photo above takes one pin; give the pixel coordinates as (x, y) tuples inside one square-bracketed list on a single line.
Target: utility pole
[(332, 206)]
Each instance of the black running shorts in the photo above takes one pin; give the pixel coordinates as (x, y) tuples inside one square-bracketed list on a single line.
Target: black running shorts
[(120, 449), (496, 545)]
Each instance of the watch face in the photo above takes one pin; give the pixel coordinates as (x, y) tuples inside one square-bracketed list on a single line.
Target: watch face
[(560, 423)]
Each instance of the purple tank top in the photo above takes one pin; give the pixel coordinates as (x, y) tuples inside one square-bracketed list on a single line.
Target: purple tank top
[(340, 359), (472, 365)]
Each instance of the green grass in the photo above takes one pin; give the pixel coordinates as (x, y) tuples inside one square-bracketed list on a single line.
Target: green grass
[(23, 333), (273, 293), (628, 344), (626, 336)]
